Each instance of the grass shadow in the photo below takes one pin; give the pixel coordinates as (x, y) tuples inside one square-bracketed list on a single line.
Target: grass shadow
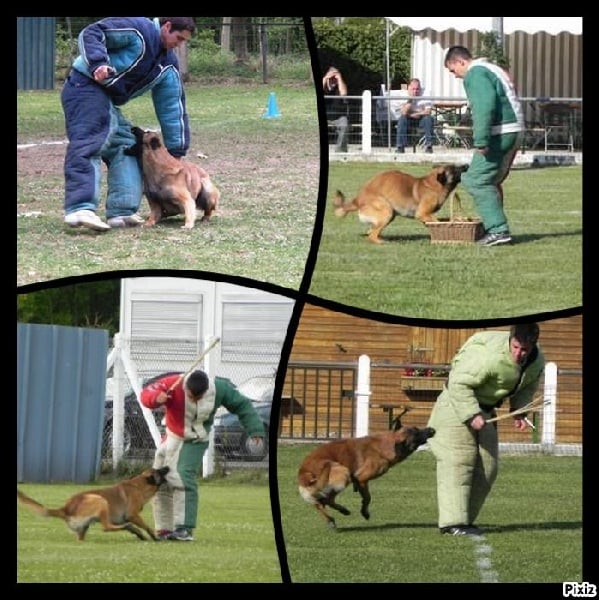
[(540, 526)]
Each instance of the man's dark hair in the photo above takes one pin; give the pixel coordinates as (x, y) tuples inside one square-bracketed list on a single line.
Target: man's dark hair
[(179, 23), (197, 383), (525, 333), (457, 52)]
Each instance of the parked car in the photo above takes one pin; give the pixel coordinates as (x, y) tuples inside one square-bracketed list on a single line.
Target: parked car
[(230, 439), (137, 437)]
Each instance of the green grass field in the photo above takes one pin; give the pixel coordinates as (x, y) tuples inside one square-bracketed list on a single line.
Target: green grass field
[(234, 543), (532, 518), (408, 276)]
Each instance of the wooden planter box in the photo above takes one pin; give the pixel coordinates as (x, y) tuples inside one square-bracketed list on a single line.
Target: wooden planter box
[(465, 231), (412, 384)]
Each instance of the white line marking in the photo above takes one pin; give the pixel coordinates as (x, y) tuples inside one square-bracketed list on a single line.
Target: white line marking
[(483, 560), (33, 145)]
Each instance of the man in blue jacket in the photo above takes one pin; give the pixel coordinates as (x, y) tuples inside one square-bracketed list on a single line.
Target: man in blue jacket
[(120, 58)]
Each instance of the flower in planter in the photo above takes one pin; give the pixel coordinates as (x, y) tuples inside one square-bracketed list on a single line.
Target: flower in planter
[(428, 372)]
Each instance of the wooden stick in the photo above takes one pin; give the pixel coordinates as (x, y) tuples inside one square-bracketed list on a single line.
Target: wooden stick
[(535, 405), (195, 364)]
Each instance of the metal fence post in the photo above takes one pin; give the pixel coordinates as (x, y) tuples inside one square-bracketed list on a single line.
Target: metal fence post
[(363, 395)]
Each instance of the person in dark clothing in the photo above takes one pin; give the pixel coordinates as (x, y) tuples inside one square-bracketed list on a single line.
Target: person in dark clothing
[(333, 84)]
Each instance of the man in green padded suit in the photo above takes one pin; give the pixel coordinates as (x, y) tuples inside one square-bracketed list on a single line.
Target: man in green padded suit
[(490, 367)]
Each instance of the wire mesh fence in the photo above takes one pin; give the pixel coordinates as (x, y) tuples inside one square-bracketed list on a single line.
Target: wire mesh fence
[(146, 360)]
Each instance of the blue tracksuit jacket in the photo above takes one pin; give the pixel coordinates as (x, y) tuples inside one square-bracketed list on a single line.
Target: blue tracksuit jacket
[(96, 128)]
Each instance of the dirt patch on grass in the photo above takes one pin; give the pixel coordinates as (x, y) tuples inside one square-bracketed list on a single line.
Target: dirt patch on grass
[(263, 229)]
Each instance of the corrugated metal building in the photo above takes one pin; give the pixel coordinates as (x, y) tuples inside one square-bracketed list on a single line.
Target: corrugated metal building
[(35, 53), (545, 54), (61, 376)]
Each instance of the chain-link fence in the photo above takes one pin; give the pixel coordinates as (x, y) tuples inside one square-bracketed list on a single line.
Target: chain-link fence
[(140, 362), (249, 40)]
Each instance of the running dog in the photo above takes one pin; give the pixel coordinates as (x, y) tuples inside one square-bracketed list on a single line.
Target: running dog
[(172, 186), (394, 192), (331, 467), (116, 508)]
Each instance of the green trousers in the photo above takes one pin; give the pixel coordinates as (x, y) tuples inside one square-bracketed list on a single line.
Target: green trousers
[(466, 465), (176, 502), (484, 177)]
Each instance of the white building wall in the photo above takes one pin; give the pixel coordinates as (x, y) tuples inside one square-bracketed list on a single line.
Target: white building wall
[(167, 321)]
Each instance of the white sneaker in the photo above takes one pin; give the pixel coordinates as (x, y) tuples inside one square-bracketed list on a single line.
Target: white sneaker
[(86, 218), (133, 220)]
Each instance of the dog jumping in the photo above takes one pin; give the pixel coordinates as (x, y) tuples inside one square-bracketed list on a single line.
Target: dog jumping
[(117, 507), (394, 192), (172, 186), (331, 467)]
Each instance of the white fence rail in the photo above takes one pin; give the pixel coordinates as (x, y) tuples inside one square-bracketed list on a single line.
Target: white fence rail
[(548, 440)]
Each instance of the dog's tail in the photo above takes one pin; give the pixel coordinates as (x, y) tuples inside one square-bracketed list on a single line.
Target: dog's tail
[(38, 508), (341, 206), (315, 482), (209, 196), (323, 478)]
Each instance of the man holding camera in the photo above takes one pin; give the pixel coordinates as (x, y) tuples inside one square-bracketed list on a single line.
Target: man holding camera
[(337, 110)]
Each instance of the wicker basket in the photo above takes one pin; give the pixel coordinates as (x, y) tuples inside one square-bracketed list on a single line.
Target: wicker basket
[(445, 231), (456, 229)]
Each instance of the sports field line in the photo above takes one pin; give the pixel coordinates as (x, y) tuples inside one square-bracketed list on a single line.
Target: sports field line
[(484, 565)]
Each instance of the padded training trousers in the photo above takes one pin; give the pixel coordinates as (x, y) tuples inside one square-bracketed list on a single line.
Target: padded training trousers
[(466, 465), (484, 178), (97, 130), (176, 502)]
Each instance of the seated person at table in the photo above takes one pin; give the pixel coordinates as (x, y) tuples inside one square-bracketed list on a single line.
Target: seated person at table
[(415, 113)]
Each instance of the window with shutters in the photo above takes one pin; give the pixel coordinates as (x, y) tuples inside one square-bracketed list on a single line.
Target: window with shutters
[(166, 332), (253, 331)]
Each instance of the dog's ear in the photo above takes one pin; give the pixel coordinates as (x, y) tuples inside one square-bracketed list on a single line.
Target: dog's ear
[(134, 150), (459, 169), (138, 132), (396, 424), (397, 421)]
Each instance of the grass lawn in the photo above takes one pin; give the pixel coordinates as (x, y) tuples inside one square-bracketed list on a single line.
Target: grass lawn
[(234, 543), (267, 170), (408, 276), (532, 518)]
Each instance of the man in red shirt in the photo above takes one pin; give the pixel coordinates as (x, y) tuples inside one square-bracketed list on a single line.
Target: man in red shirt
[(191, 403)]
